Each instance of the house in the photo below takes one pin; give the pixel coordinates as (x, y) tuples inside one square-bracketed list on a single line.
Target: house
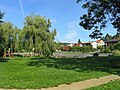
[(70, 44), (86, 44), (100, 42), (112, 42), (66, 46), (95, 44), (78, 44)]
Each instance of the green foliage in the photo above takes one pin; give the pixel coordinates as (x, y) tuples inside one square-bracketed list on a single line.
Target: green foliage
[(1, 16), (107, 50), (100, 48), (107, 37), (99, 12), (35, 34), (9, 36), (116, 52), (81, 49), (79, 41), (113, 85), (1, 34), (36, 73), (117, 46)]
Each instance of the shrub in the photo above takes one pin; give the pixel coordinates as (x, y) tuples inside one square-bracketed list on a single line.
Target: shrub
[(107, 50), (117, 46), (116, 52), (81, 49), (116, 64), (87, 48), (100, 48), (76, 49)]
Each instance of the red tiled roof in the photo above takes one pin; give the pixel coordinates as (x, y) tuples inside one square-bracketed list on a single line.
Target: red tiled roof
[(98, 41)]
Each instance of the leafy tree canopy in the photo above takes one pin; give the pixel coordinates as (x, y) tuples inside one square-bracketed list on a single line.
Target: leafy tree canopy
[(1, 16), (107, 37), (99, 12), (36, 34)]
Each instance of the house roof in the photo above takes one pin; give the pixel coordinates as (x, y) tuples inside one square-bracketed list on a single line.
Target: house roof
[(114, 40), (98, 41)]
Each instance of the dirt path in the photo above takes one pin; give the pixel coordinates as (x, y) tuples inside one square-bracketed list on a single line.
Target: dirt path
[(85, 84)]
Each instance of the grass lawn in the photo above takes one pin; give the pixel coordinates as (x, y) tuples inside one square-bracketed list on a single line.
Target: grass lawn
[(113, 85), (19, 72)]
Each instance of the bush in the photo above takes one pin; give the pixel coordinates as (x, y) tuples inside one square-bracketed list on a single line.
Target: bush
[(116, 64), (117, 46), (100, 48), (76, 49), (81, 49), (107, 50), (116, 52), (87, 48)]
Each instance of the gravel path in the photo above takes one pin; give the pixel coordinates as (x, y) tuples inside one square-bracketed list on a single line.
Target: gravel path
[(85, 84), (81, 85)]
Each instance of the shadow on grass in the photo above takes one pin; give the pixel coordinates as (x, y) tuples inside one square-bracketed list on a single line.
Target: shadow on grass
[(109, 64), (3, 59)]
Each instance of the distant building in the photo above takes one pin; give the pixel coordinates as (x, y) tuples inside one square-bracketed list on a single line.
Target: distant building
[(70, 44), (112, 42), (78, 44), (94, 44)]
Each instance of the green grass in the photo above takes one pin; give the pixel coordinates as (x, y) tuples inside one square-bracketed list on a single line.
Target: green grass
[(19, 72), (113, 85)]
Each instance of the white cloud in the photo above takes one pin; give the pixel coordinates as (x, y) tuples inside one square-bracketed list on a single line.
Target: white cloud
[(22, 9)]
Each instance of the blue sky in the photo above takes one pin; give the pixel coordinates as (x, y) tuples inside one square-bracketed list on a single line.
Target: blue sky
[(64, 15)]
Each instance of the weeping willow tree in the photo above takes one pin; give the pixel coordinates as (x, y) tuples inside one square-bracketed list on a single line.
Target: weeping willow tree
[(37, 35), (1, 46), (9, 36)]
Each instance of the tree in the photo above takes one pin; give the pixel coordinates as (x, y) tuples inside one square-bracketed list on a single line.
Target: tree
[(1, 46), (99, 13), (79, 41), (116, 36), (37, 35), (6, 31), (107, 37), (117, 46), (1, 16)]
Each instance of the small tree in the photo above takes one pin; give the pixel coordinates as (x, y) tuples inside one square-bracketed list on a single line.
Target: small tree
[(100, 48), (79, 41), (107, 50)]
